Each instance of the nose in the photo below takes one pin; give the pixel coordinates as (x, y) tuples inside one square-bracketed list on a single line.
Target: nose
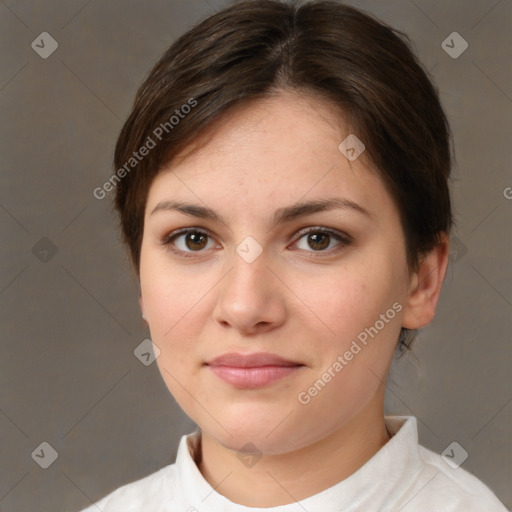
[(251, 299)]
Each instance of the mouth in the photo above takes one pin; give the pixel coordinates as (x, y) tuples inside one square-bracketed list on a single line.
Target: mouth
[(250, 371), (255, 360), (253, 377)]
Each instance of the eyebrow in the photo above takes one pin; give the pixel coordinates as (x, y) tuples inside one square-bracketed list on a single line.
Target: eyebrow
[(282, 215)]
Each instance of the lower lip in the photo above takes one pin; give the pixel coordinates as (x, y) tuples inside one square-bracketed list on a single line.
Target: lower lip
[(251, 378)]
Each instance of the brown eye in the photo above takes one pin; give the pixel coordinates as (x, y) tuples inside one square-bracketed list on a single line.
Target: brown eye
[(195, 241), (188, 241), (319, 240)]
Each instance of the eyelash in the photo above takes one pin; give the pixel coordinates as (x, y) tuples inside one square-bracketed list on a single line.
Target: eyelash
[(344, 240)]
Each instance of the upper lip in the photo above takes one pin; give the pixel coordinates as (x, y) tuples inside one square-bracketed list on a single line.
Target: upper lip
[(250, 360)]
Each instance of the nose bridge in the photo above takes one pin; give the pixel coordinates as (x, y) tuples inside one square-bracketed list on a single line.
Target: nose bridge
[(248, 295), (249, 273)]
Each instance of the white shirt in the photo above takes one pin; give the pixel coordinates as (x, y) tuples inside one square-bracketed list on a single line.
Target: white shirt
[(401, 477)]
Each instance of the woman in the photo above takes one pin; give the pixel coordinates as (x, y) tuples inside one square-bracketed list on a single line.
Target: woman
[(282, 185)]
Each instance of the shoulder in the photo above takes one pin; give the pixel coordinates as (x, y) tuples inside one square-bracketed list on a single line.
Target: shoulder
[(150, 491), (448, 487)]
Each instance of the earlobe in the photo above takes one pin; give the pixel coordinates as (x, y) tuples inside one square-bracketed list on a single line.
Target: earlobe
[(425, 286)]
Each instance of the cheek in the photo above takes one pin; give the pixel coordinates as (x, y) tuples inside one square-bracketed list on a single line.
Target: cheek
[(167, 292), (362, 311), (361, 306), (344, 302), (168, 300), (171, 306)]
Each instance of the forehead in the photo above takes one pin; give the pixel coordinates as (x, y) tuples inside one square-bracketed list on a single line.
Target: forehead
[(286, 122), (278, 150)]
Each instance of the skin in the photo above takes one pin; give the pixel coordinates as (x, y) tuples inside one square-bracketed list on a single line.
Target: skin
[(305, 303)]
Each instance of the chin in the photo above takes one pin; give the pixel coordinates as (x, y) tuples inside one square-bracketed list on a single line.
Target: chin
[(270, 437)]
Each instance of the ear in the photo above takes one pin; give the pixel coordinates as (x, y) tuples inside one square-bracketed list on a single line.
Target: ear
[(425, 286)]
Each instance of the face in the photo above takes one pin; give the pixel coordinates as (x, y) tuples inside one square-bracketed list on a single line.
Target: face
[(323, 288)]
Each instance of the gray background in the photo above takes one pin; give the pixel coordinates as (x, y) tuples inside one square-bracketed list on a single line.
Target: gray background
[(70, 319)]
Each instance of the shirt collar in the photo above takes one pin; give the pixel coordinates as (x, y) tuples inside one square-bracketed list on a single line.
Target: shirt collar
[(380, 480)]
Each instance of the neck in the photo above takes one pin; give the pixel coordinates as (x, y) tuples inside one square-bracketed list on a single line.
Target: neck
[(286, 478)]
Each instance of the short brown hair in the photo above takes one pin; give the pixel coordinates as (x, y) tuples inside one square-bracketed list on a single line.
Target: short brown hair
[(254, 48)]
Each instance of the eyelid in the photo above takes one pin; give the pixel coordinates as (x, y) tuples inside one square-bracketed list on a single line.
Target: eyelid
[(183, 231), (330, 231)]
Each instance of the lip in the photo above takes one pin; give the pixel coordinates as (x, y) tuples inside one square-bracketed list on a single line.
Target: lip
[(255, 360), (250, 371)]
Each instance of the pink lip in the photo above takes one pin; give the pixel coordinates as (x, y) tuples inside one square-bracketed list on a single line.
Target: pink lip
[(255, 377), (252, 370), (257, 359)]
